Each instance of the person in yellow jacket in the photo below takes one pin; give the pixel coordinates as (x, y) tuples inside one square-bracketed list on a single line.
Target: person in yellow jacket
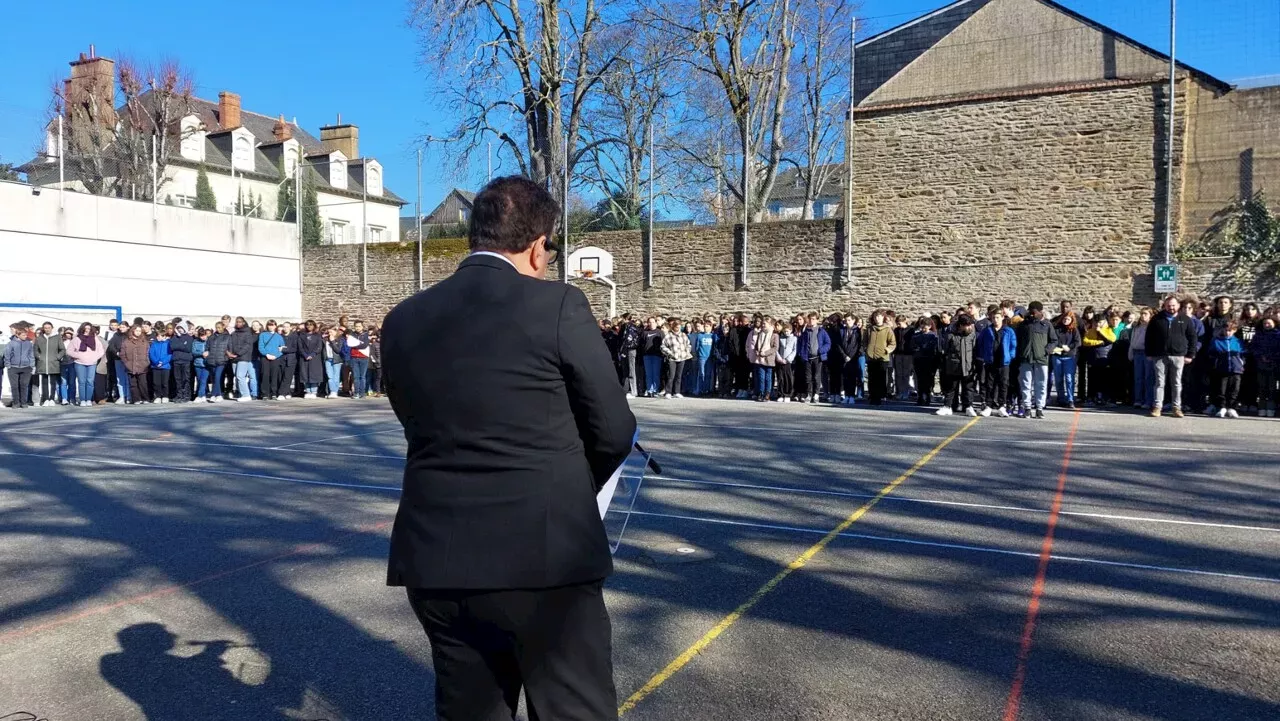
[(879, 344), (1100, 335)]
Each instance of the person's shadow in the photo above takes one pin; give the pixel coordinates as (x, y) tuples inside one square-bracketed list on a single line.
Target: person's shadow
[(180, 688)]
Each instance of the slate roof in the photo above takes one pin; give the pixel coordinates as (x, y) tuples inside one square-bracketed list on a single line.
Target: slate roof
[(789, 186)]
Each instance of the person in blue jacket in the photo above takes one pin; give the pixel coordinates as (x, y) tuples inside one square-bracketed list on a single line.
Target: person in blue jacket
[(996, 347), (703, 344), (812, 348), (271, 349), (1225, 356), (161, 364)]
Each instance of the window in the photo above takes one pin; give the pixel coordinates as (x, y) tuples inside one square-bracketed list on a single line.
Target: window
[(377, 234), (775, 208), (186, 201), (373, 178), (191, 145), (290, 161), (338, 171), (242, 152), (337, 232)]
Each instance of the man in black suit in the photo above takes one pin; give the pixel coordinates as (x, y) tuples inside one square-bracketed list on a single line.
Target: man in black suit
[(515, 419)]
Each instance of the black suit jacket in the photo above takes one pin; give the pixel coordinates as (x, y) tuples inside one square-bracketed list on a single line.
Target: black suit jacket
[(515, 418)]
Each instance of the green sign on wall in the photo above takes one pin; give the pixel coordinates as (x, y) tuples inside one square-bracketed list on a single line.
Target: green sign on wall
[(1166, 278)]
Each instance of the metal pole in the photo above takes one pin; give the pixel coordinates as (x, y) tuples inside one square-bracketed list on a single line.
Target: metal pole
[(1168, 171), (418, 215), (848, 152), (155, 184), (565, 210), (62, 178), (746, 203), (649, 248), (364, 231)]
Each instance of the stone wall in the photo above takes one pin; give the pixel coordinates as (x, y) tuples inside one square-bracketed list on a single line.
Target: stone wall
[(1052, 196)]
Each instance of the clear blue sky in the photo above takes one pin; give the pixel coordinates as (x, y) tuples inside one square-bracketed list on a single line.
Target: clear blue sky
[(315, 59)]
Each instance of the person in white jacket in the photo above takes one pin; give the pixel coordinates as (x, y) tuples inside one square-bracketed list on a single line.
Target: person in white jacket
[(676, 350), (762, 352), (784, 367)]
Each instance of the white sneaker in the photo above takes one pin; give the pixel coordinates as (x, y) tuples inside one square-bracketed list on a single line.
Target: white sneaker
[(1003, 412), (244, 399), (943, 411), (813, 399), (679, 395), (629, 395), (986, 413), (1213, 411), (971, 412), (1231, 413)]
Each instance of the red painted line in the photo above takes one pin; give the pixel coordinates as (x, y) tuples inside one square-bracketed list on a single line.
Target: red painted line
[(170, 590), (1014, 702)]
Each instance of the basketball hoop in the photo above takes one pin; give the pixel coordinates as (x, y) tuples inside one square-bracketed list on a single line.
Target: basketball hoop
[(588, 273)]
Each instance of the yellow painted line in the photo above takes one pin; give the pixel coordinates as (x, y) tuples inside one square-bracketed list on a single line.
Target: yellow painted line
[(701, 644)]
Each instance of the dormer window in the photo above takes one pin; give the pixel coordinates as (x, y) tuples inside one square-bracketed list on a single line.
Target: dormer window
[(338, 170), (292, 154), (242, 150), (191, 145), (373, 178)]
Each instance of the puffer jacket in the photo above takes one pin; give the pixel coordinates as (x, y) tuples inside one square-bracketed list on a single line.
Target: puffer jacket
[(880, 343), (50, 351), (242, 344), (957, 357), (136, 354), (216, 347), (675, 346)]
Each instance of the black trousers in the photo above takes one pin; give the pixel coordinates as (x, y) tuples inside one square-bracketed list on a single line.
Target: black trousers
[(20, 385), (49, 386), (835, 376), (160, 382), (812, 376), (1226, 390), (139, 390), (554, 643), (288, 373), (926, 369), (877, 380), (182, 381), (675, 374), (996, 385), (962, 386), (741, 369), (786, 380), (272, 375)]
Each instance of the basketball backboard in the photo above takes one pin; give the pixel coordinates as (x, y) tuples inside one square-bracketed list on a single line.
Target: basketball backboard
[(590, 261)]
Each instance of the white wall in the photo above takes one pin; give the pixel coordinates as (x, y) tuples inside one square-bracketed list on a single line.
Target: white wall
[(181, 262)]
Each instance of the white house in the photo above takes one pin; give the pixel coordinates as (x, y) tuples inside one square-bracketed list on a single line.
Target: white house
[(248, 155), (787, 200)]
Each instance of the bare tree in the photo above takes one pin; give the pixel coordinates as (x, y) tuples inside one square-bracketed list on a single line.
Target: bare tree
[(823, 42), (745, 48), (110, 149), (632, 97), (521, 74)]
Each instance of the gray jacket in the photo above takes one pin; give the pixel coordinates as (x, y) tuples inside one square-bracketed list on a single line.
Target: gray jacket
[(19, 354), (50, 350)]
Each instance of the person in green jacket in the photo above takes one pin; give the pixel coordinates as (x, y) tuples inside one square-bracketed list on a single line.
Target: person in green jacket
[(49, 354)]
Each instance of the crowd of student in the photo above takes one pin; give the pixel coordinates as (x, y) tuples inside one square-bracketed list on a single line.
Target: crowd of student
[(179, 362), (1006, 361)]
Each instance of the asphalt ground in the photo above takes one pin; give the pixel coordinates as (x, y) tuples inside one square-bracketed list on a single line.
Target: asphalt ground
[(792, 562)]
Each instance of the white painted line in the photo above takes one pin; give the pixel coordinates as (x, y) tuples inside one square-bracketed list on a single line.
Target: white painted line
[(214, 471), (961, 547), (336, 438), (967, 439), (963, 504), (179, 442)]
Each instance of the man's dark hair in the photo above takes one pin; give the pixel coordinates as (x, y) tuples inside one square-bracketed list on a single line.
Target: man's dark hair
[(509, 214), (1035, 306)]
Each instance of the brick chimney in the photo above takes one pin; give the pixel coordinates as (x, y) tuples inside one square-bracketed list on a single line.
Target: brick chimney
[(92, 77), (281, 130), (228, 110), (345, 138)]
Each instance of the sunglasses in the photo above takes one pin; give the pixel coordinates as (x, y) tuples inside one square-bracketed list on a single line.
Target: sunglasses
[(553, 250)]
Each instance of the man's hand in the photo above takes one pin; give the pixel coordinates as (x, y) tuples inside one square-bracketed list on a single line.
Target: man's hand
[(1189, 359)]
